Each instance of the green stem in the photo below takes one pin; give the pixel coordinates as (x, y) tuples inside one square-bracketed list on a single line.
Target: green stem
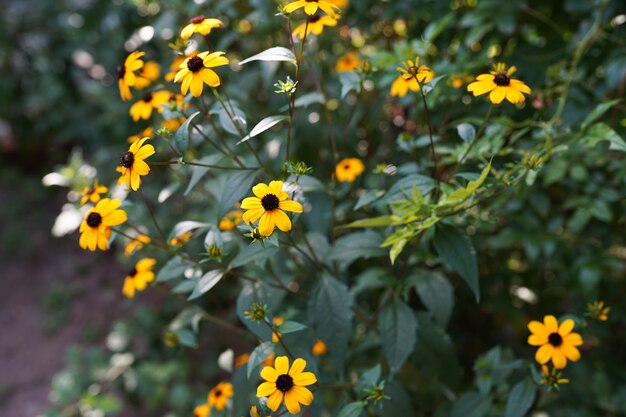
[(152, 216), (482, 127), (430, 129)]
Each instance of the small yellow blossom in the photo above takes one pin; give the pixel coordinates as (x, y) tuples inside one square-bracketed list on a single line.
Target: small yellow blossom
[(269, 205), (195, 71), (556, 342), (319, 348), (93, 193), (181, 239), (201, 25), (148, 74), (142, 109), (132, 164), (412, 76), (148, 132), (136, 244), (139, 277), (219, 395), (288, 384), (499, 84), (126, 76), (348, 62), (347, 170), (311, 6), (316, 26), (95, 229)]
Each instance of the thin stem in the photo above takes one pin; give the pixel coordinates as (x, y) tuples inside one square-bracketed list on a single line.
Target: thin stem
[(280, 340), (430, 129), (482, 127), (152, 216), (200, 164)]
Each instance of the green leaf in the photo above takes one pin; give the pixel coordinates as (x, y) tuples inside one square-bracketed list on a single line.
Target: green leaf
[(456, 251), (466, 131), (369, 378), (436, 293), (368, 197), (277, 53), (174, 268), (330, 312), (206, 282), (236, 187), (471, 405), (352, 410), (349, 81), (435, 28), (262, 126), (380, 221), (597, 112), (197, 172), (258, 355), (461, 194), (228, 124), (398, 332), (600, 131), (405, 186), (261, 294), (180, 141), (305, 100), (520, 399), (291, 327), (184, 227), (356, 245), (254, 252)]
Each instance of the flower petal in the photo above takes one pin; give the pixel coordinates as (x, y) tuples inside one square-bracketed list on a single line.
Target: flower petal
[(290, 205), (260, 190), (566, 327), (544, 353), (304, 379), (297, 367), (282, 220), (282, 365), (274, 400), (275, 187), (267, 224), (558, 359), (497, 95), (269, 374), (573, 339), (253, 215), (537, 327), (251, 203), (291, 402), (536, 340), (551, 323), (266, 389), (303, 394), (570, 352)]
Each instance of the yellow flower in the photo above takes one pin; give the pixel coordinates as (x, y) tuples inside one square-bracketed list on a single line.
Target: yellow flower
[(319, 348), (500, 85), (126, 76), (219, 395), (413, 74), (557, 342), (148, 132), (132, 165), (348, 62), (181, 239), (175, 65), (339, 3), (136, 244), (201, 25), (253, 411), (552, 377), (95, 229), (194, 72), (93, 193), (142, 109), (139, 277), (149, 73), (598, 310), (311, 6), (287, 383), (231, 220), (277, 321), (202, 410), (348, 169), (458, 80), (268, 205), (241, 360), (316, 25)]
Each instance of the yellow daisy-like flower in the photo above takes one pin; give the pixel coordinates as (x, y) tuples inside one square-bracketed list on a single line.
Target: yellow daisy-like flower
[(241, 360), (231, 220), (311, 6), (139, 277), (220, 394), (276, 335), (132, 164), (412, 75), (95, 229), (269, 205), (180, 240), (348, 169), (500, 85), (283, 382), (316, 25), (253, 411), (126, 76), (142, 109), (149, 73), (148, 132), (136, 244), (319, 348), (175, 65), (93, 193), (348, 62), (203, 410), (194, 72), (557, 342), (201, 25), (339, 3)]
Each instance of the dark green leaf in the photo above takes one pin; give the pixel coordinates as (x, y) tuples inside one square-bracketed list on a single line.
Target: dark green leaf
[(197, 172), (471, 405), (598, 111), (174, 268), (352, 410), (258, 355), (180, 141), (291, 327), (436, 293), (235, 189), (356, 245), (520, 399), (398, 333)]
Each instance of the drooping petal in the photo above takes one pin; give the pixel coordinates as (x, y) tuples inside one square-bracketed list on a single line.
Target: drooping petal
[(196, 85), (267, 224), (514, 96), (497, 95), (294, 6), (311, 8), (291, 402), (570, 352), (305, 379), (265, 389), (303, 395), (269, 374), (558, 359), (281, 364), (283, 222), (273, 402), (187, 31), (566, 327), (520, 86), (144, 152), (297, 367), (209, 77), (135, 180), (141, 167), (544, 353)]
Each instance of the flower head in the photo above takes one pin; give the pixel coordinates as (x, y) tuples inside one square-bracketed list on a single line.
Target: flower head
[(139, 277), (126, 76), (348, 62), (180, 240), (175, 65), (95, 229), (231, 220), (253, 411), (348, 169), (148, 132), (241, 360), (269, 205), (132, 164), (286, 383), (557, 342), (219, 395), (499, 84), (142, 109), (316, 25), (412, 76), (203, 410), (194, 72), (93, 193), (311, 6), (598, 310), (201, 25), (276, 335), (136, 244), (319, 348), (149, 72), (552, 377)]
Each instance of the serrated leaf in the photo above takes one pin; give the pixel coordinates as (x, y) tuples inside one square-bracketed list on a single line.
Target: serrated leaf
[(277, 53), (520, 399), (262, 126), (456, 251), (352, 410), (436, 293), (206, 282), (180, 141), (466, 131), (258, 355), (197, 172), (398, 332)]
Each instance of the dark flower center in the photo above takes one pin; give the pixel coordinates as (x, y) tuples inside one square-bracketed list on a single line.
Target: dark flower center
[(128, 159), (314, 18), (132, 272), (195, 64), (346, 167), (120, 71), (197, 19), (311, 1), (284, 383), (218, 393), (555, 339), (270, 202), (147, 98), (94, 219), (501, 80), (413, 70)]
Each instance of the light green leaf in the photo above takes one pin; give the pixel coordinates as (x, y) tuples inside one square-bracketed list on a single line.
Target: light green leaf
[(262, 126), (349, 81), (291, 327), (352, 410), (520, 399), (456, 251), (206, 282), (398, 332), (600, 131), (463, 193), (368, 197), (380, 221), (466, 131), (405, 186), (277, 53), (254, 252), (180, 141)]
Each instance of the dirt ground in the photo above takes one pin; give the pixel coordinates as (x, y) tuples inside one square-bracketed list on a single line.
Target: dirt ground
[(52, 295)]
